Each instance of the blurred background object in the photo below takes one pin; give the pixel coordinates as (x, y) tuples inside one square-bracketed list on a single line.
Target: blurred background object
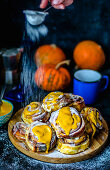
[(89, 55), (49, 54), (10, 60)]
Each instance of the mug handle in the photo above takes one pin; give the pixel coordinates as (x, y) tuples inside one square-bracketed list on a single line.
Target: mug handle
[(104, 77)]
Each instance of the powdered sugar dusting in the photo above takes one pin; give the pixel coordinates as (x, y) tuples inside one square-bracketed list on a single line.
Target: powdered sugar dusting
[(35, 32), (56, 154)]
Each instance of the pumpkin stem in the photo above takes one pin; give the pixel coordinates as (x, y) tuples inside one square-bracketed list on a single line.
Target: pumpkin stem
[(53, 45), (76, 67), (67, 62)]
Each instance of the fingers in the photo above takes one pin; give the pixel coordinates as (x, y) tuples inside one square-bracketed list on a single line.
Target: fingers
[(43, 3), (61, 6), (56, 2), (68, 2)]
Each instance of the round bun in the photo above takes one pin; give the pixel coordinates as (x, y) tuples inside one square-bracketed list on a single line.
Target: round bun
[(19, 130), (75, 101), (67, 122), (71, 148), (54, 101), (34, 112), (40, 137)]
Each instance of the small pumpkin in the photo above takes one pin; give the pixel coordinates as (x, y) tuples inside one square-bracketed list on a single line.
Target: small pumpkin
[(51, 78), (49, 54), (89, 55)]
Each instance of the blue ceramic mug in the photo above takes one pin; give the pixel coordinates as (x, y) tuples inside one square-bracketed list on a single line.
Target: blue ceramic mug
[(87, 83)]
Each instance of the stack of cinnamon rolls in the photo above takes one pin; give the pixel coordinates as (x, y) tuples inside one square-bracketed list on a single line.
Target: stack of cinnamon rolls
[(61, 121)]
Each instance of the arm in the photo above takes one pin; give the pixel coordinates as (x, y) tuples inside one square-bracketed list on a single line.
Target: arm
[(58, 4)]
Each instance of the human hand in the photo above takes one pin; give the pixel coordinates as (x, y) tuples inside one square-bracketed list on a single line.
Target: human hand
[(58, 4)]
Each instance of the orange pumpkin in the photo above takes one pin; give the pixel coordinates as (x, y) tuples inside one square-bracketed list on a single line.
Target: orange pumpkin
[(89, 55), (49, 54), (51, 78)]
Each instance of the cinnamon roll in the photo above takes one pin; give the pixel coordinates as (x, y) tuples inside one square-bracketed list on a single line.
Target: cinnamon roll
[(67, 122), (93, 120), (40, 137), (76, 140), (54, 101), (34, 112), (75, 101), (19, 130), (70, 148)]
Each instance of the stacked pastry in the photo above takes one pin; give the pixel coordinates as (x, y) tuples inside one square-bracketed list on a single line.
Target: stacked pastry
[(38, 135), (70, 130), (93, 120), (62, 120), (56, 100)]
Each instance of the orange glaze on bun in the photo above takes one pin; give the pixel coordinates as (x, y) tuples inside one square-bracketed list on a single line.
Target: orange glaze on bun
[(34, 112), (56, 100), (67, 122), (93, 120), (40, 137)]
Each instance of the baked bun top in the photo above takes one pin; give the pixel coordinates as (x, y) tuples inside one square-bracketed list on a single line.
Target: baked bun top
[(33, 112), (75, 101), (67, 122), (40, 136), (54, 101), (19, 130)]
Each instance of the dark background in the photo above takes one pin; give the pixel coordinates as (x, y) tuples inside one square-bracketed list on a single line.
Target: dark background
[(83, 20)]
